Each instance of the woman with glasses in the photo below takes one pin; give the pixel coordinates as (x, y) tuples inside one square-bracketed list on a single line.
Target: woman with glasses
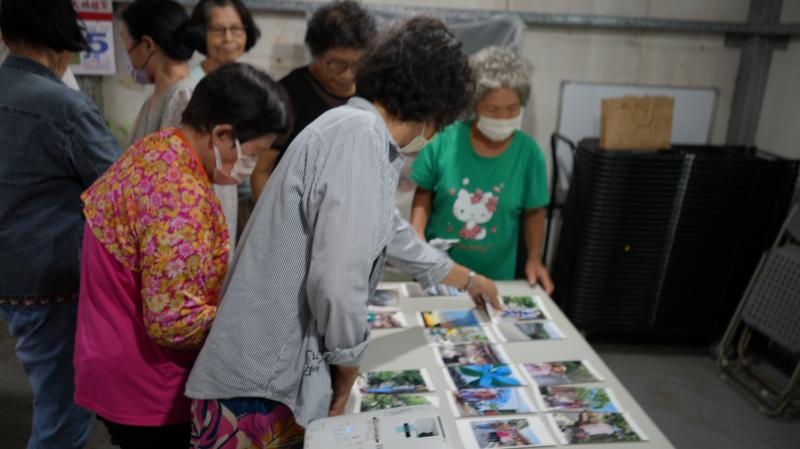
[(158, 41), (228, 31), (155, 253), (337, 36), (224, 31)]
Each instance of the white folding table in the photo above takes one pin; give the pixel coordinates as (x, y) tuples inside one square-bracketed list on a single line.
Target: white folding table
[(398, 349)]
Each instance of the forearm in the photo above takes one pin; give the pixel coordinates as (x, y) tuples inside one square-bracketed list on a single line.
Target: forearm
[(342, 380), (421, 210), (534, 232), (458, 277)]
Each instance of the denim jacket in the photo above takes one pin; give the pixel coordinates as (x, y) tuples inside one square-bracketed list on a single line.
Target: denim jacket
[(53, 145)]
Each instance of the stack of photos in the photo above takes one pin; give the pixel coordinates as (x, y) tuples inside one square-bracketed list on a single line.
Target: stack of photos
[(523, 319), (386, 320), (590, 427), (489, 402), (385, 298), (505, 433), (441, 336), (568, 398), (391, 389), (449, 318), (470, 354), (527, 331), (416, 291), (520, 308), (561, 373)]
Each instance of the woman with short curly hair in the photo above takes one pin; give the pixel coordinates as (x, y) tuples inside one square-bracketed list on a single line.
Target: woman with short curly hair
[(479, 177), (292, 326)]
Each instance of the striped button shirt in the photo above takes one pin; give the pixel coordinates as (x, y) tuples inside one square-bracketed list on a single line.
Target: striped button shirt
[(295, 300)]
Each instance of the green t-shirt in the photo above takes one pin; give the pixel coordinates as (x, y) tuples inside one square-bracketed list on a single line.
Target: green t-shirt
[(480, 200)]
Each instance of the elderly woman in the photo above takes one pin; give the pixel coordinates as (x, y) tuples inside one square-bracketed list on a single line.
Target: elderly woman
[(478, 179), (159, 45), (55, 144), (227, 32), (291, 331), (337, 36), (155, 253)]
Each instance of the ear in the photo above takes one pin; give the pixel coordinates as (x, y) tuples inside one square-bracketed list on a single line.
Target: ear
[(148, 43), (222, 135)]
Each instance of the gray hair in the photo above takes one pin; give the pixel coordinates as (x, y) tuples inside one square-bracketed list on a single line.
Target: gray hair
[(495, 68)]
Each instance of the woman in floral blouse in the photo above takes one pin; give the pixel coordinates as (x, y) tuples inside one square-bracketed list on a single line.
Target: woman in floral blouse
[(155, 254)]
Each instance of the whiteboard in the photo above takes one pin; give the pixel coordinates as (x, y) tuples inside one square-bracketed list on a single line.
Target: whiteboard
[(579, 115)]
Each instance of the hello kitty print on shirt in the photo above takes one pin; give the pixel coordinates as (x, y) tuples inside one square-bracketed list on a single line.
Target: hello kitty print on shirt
[(474, 209)]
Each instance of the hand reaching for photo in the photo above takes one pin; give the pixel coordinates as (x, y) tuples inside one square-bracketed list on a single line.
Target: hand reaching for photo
[(483, 290), (535, 271)]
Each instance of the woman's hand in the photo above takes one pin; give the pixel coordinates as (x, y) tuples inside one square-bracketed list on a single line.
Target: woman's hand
[(535, 271), (484, 289)]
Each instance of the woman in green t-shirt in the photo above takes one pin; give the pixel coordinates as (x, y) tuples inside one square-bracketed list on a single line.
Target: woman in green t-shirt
[(479, 179)]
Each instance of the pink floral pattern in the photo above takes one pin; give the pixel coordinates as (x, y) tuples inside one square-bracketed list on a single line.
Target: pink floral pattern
[(215, 426), (155, 212)]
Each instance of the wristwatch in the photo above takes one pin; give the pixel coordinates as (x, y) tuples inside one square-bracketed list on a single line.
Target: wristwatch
[(471, 281)]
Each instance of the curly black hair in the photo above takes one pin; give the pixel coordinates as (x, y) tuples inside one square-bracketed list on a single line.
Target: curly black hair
[(241, 95), (202, 11), (418, 72), (339, 24)]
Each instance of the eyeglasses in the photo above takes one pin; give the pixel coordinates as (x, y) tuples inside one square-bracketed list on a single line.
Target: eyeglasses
[(219, 31), (339, 66)]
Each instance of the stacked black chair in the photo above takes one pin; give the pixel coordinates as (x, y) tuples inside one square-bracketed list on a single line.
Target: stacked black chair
[(663, 242)]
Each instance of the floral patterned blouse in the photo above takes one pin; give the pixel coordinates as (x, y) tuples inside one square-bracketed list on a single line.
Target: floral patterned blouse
[(155, 212)]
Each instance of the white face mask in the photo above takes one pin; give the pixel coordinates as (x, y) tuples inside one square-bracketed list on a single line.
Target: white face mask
[(498, 130), (244, 165), (242, 168), (417, 143)]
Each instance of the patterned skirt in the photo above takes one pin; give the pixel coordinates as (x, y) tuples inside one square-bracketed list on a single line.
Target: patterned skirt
[(244, 423)]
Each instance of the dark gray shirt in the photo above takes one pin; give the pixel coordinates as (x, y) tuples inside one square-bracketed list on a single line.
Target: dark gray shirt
[(295, 301)]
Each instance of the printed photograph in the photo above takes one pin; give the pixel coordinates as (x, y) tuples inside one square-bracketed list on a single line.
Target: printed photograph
[(560, 373), (385, 320), (528, 330), (394, 382), (589, 427), (565, 398), (457, 335), (483, 376), (504, 433), (450, 318), (372, 402), (470, 354), (520, 308), (491, 402)]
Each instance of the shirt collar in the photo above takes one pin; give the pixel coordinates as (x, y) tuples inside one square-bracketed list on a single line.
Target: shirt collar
[(29, 65), (366, 105)]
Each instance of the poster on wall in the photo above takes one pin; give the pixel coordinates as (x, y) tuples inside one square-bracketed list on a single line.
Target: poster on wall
[(99, 59)]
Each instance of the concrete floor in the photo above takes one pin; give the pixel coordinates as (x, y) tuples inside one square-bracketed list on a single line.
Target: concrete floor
[(678, 387)]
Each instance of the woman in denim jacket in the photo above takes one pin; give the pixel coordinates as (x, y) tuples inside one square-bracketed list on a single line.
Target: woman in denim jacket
[(55, 144)]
